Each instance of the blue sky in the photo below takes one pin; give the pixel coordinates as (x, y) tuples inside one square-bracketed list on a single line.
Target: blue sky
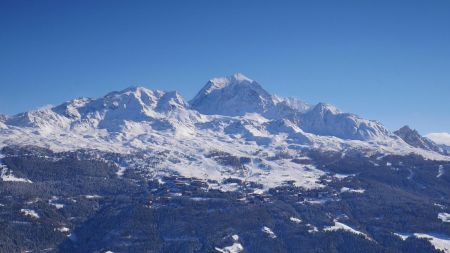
[(383, 60)]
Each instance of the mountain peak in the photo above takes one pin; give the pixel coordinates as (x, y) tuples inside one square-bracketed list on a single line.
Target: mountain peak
[(406, 128), (324, 107), (231, 96), (218, 83), (240, 77), (237, 77), (413, 138), (407, 131)]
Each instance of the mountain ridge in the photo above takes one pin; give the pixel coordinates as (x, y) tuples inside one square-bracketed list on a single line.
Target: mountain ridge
[(413, 138), (225, 109)]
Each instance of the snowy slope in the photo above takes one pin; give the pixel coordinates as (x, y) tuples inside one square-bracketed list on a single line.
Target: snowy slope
[(325, 119)]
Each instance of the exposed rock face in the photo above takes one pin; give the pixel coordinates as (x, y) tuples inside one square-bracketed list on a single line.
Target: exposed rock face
[(413, 138)]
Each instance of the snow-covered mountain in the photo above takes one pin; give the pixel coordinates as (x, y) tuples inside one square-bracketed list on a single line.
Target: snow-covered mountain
[(325, 119), (232, 116), (232, 96), (233, 107), (237, 95), (135, 104)]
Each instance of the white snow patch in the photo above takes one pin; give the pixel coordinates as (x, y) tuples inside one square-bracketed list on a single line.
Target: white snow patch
[(57, 205), (223, 187), (343, 176), (200, 199), (346, 189), (30, 213), (439, 205), (120, 171), (160, 181), (312, 229), (258, 192), (403, 236), (341, 226), (235, 248), (444, 217), (439, 242), (295, 220), (63, 229), (319, 201), (440, 171), (9, 177), (92, 196), (269, 232)]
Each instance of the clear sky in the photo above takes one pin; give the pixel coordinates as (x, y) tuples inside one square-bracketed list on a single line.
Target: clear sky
[(384, 60)]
